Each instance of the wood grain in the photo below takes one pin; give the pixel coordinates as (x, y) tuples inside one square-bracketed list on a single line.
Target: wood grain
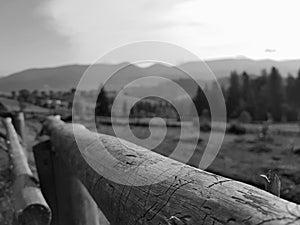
[(189, 196), (29, 203)]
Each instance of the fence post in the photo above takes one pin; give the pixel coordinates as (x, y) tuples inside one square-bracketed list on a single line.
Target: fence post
[(43, 157), (19, 124), (28, 201), (75, 205), (69, 200)]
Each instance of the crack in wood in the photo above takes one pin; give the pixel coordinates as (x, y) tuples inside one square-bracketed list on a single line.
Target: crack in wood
[(219, 182)]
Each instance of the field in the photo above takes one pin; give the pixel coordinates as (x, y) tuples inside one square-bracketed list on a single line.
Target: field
[(241, 157), (13, 105)]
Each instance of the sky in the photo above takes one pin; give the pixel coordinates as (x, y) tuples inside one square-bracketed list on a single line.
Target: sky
[(43, 33)]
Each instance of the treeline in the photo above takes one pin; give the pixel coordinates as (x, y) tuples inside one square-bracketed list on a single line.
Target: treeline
[(145, 108), (264, 96), (48, 99), (153, 107)]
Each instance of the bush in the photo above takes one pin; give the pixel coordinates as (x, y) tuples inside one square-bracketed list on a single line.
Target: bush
[(245, 117), (205, 121), (237, 129), (205, 127)]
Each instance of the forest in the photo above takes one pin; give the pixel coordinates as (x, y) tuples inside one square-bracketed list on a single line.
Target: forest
[(264, 96)]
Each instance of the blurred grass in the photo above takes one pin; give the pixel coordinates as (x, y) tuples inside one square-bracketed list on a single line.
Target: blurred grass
[(242, 157), (6, 210)]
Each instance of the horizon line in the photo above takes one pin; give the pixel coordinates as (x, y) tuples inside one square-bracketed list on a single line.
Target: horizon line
[(114, 63)]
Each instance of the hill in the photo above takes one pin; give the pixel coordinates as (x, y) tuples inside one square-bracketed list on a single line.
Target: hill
[(11, 105), (67, 77)]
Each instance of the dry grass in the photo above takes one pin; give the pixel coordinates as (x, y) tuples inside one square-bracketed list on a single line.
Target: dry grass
[(6, 210), (241, 158)]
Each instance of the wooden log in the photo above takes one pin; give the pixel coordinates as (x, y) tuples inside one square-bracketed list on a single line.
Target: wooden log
[(75, 205), (19, 124), (69, 200), (29, 203), (189, 196), (43, 156)]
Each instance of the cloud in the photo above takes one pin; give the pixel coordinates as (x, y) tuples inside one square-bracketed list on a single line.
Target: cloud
[(96, 26), (210, 28)]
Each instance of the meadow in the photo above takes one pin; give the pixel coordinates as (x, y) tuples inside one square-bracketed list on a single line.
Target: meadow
[(241, 157)]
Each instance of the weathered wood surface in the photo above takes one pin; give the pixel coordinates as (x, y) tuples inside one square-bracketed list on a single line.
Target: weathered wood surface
[(75, 205), (191, 196), (18, 121), (68, 199), (43, 157), (29, 203)]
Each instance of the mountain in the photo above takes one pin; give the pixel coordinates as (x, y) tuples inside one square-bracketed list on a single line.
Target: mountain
[(67, 77), (222, 68), (61, 77)]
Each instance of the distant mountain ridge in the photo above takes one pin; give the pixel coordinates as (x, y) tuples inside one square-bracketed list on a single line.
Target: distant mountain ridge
[(67, 77)]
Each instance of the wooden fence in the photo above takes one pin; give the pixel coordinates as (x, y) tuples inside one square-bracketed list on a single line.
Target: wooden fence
[(74, 190), (191, 196), (29, 204)]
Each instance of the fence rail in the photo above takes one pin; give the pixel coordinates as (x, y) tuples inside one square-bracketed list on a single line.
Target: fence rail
[(189, 196), (28, 201)]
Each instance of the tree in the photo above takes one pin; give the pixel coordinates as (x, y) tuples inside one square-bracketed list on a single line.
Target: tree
[(247, 94), (233, 96), (260, 92), (275, 95), (24, 95), (102, 104), (297, 91), (13, 95), (245, 117), (200, 100), (245, 86), (44, 94), (51, 94), (35, 93), (291, 90), (290, 106)]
